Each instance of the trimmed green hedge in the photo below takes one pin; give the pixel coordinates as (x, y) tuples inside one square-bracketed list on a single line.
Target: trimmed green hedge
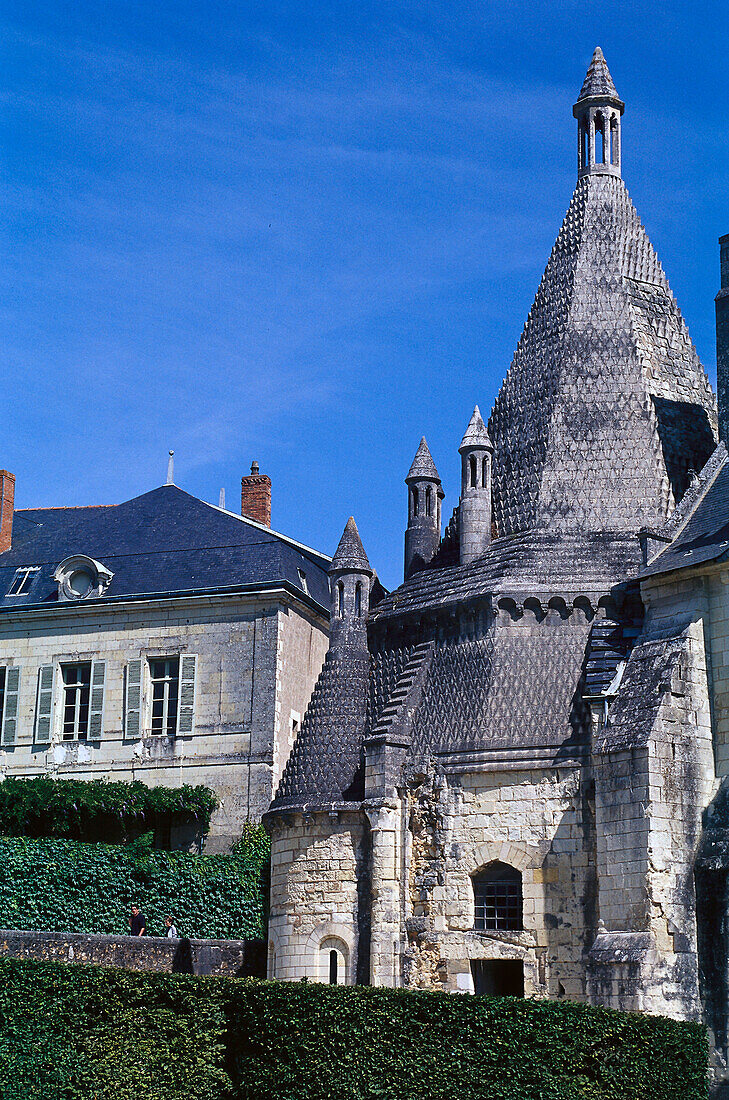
[(76, 1033), (94, 810), (65, 886)]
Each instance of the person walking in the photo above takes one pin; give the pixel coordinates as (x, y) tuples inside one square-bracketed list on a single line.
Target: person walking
[(171, 930), (137, 921)]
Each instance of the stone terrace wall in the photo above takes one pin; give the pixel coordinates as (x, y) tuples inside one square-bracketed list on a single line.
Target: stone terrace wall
[(222, 958)]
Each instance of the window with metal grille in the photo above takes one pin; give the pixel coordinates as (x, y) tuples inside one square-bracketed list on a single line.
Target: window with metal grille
[(76, 695), (498, 899), (164, 675), (22, 580)]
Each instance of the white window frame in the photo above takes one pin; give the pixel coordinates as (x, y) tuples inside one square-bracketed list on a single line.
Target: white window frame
[(28, 573), (186, 694), (150, 682), (63, 737)]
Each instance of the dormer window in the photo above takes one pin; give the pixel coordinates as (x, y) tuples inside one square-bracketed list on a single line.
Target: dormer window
[(22, 580), (302, 582), (81, 578)]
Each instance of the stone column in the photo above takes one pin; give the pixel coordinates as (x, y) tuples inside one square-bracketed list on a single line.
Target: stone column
[(386, 937)]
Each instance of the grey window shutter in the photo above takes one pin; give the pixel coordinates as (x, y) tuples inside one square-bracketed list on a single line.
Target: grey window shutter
[(133, 710), (44, 709), (186, 714), (10, 711), (96, 710)]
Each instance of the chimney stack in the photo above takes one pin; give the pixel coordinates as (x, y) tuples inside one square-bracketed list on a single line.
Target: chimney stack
[(722, 342), (7, 504), (255, 496)]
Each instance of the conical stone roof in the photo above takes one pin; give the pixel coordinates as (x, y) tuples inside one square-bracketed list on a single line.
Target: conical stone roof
[(350, 554), (606, 406), (422, 464), (476, 434), (598, 81)]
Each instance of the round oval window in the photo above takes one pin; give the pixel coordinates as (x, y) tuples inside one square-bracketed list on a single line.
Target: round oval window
[(80, 582)]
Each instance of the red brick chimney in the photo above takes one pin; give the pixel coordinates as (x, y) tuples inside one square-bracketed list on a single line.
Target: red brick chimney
[(7, 504), (255, 496)]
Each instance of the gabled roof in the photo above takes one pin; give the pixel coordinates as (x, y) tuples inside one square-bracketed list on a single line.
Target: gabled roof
[(702, 526), (606, 407), (598, 81), (422, 464), (350, 554), (161, 542)]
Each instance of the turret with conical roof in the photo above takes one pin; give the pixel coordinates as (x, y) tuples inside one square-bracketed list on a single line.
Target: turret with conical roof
[(425, 494), (350, 576), (606, 407), (474, 510), (598, 111)]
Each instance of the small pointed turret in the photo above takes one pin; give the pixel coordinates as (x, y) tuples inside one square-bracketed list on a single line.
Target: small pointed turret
[(474, 510), (350, 578), (598, 111), (422, 536)]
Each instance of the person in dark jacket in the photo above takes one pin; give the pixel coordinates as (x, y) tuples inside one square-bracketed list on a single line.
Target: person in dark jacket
[(137, 921)]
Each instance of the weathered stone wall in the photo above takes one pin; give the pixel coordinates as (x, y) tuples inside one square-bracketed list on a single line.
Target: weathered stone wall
[(229, 958), (318, 866), (538, 821), (249, 678)]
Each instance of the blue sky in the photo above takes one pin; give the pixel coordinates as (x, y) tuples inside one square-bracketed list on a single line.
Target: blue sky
[(311, 233)]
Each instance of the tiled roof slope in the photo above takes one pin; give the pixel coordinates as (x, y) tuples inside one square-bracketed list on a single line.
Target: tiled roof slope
[(531, 563), (325, 763), (162, 541), (606, 407)]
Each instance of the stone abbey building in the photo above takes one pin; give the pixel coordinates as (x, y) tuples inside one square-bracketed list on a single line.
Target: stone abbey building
[(501, 780)]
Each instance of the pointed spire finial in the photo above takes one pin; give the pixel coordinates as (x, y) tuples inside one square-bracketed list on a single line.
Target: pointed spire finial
[(598, 111), (171, 469), (422, 464), (476, 434), (350, 554)]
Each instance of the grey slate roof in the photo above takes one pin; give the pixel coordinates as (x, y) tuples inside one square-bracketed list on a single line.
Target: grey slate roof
[(703, 533), (350, 554), (160, 542), (422, 464), (606, 406), (475, 434), (598, 81)]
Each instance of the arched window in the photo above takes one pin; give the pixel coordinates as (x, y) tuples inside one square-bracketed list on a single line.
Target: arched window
[(333, 961), (416, 502), (599, 140), (614, 142), (358, 600), (584, 146), (429, 501), (472, 467), (340, 599), (484, 472), (497, 897)]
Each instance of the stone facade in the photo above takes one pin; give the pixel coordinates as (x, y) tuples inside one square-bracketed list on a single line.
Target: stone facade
[(241, 654), (529, 794)]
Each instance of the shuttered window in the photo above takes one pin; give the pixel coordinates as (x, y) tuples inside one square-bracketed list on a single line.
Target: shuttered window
[(9, 690), (96, 713), (133, 701), (186, 721), (44, 707), (164, 678)]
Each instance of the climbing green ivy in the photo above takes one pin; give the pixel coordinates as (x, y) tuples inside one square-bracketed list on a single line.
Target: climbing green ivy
[(95, 810), (66, 886)]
